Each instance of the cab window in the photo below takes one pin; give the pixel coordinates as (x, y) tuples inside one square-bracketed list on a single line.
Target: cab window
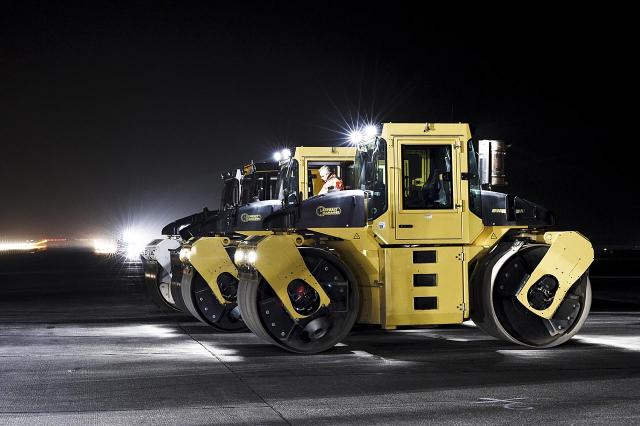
[(247, 193), (287, 183), (370, 172), (266, 186), (344, 170), (259, 186), (230, 193), (426, 177)]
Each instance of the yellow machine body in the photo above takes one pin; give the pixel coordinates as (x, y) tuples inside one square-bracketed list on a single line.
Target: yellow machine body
[(412, 265), (201, 254), (567, 260), (282, 263)]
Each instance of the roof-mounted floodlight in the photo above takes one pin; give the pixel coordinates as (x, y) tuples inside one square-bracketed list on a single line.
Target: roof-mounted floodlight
[(356, 137), (364, 134), (282, 155), (370, 132)]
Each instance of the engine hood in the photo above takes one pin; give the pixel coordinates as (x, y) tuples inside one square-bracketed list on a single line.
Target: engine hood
[(176, 226), (499, 209), (338, 209)]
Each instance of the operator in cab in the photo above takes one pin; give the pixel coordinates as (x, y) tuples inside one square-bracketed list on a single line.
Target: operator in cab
[(331, 181)]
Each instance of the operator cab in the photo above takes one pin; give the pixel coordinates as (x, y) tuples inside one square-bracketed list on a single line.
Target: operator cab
[(424, 191)]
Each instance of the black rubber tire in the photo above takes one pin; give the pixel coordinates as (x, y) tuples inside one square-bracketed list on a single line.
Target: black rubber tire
[(250, 292)]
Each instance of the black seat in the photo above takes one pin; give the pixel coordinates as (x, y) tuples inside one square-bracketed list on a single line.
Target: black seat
[(436, 191)]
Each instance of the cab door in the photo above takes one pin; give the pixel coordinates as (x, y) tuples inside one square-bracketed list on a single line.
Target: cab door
[(427, 189)]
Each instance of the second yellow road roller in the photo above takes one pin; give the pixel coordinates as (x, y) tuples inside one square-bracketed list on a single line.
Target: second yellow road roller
[(205, 279)]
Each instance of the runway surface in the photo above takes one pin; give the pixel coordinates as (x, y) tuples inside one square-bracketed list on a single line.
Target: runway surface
[(80, 343)]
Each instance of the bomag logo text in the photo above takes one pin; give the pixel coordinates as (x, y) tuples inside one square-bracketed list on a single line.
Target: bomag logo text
[(504, 211), (245, 217), (328, 211)]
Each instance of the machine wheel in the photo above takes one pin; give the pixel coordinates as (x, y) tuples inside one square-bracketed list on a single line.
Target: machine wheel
[(203, 304), (158, 283), (177, 272), (497, 311), (266, 317)]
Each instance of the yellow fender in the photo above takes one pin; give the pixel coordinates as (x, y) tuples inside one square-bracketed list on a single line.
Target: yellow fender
[(209, 257), (568, 258), (279, 261)]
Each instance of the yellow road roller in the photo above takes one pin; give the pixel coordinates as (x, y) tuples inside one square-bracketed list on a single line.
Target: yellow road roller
[(208, 278), (423, 240)]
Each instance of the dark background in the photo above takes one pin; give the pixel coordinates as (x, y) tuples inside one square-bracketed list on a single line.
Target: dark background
[(113, 113)]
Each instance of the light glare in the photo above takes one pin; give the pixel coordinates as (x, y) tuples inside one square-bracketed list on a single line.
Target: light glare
[(23, 245), (277, 156), (356, 137), (370, 132), (134, 242), (185, 254), (104, 246), (16, 246), (238, 257), (286, 154)]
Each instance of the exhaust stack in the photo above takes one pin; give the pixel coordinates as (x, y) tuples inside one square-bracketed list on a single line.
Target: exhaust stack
[(491, 162)]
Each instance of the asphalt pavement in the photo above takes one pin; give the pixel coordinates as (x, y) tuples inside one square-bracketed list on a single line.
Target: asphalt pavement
[(80, 343)]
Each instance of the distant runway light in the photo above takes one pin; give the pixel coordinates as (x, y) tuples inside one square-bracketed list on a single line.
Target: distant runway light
[(22, 245), (104, 246)]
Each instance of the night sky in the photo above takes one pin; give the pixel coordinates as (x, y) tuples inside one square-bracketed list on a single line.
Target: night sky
[(116, 113)]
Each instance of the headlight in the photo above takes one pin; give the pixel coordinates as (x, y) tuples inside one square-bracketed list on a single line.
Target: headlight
[(238, 257), (185, 254), (252, 256)]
